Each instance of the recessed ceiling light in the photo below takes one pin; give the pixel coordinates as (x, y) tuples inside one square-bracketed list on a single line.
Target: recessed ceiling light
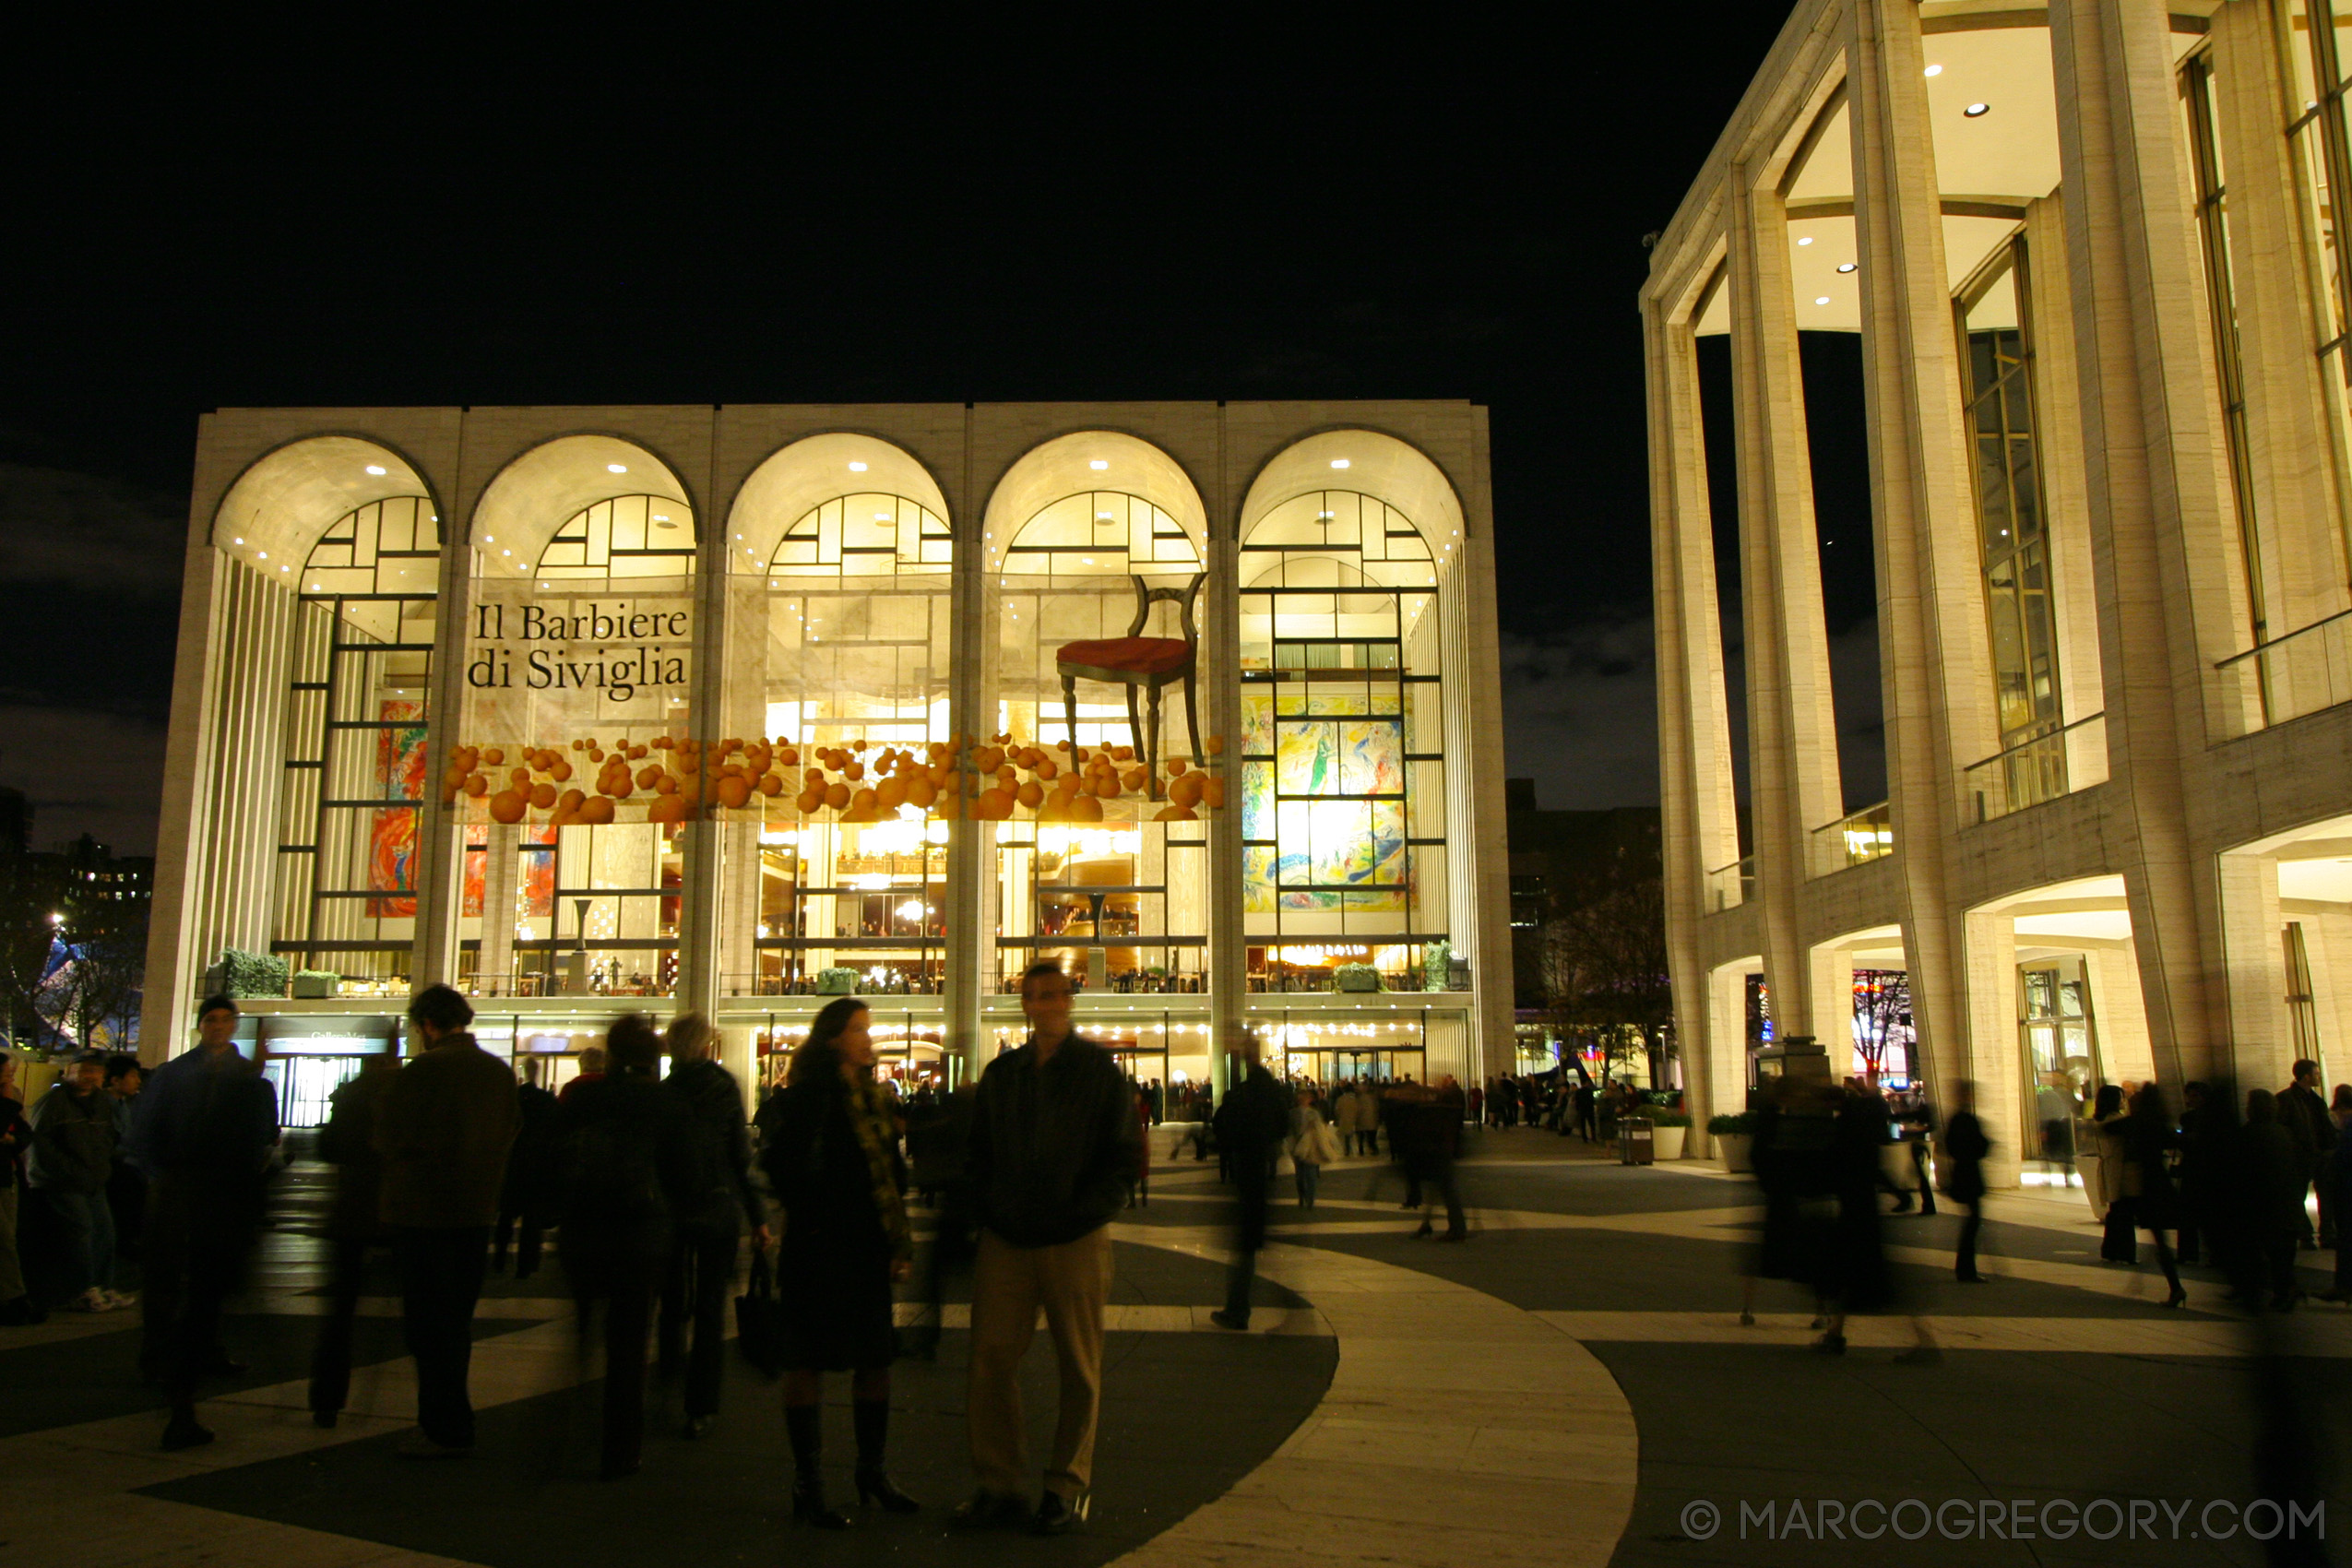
[(1935, 70), (856, 468), (490, 538), (881, 516), (1822, 301), (662, 516), (1976, 109), (1099, 464), (1845, 266), (376, 469), (1339, 462), (240, 542), (264, 555), (616, 468), (1805, 239), (506, 552)]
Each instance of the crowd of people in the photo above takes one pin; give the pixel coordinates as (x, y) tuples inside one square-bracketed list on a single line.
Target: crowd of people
[(1559, 1101)]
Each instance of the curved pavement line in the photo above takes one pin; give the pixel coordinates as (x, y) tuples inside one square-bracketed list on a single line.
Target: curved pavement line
[(1452, 1420)]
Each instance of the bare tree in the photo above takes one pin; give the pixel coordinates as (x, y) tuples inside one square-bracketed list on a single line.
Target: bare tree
[(31, 892), (1604, 966), (1882, 1017)]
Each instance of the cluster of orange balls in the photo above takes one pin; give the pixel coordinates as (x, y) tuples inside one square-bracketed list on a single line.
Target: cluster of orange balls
[(682, 776)]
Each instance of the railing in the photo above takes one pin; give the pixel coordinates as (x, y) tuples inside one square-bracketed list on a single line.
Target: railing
[(2288, 677), (1729, 886), (1857, 839), (2039, 769)]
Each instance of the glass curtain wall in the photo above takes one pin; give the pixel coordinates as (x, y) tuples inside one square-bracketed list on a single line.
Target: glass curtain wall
[(1104, 866), (2315, 45), (1995, 313), (579, 774), (1343, 787), (853, 661), (355, 730)]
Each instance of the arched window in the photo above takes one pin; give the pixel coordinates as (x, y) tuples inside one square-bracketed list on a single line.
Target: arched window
[(857, 634), (581, 662), (1343, 795), (1121, 897), (356, 710)]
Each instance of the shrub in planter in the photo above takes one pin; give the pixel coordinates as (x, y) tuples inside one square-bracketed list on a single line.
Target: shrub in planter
[(837, 981), (1355, 977), (1733, 1124), (252, 974), (1665, 1116), (1437, 963), (315, 984)]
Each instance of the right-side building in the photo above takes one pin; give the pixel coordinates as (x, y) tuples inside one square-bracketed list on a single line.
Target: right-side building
[(2092, 252)]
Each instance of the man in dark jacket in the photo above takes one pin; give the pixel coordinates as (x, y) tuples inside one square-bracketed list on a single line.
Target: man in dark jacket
[(73, 1156), (2302, 1111), (444, 1128), (17, 1307), (709, 1230), (354, 1224), (204, 1129), (1051, 1151), (1964, 1148), (1251, 1125)]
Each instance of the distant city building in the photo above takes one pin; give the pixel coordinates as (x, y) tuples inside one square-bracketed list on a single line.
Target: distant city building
[(15, 821), (2110, 477)]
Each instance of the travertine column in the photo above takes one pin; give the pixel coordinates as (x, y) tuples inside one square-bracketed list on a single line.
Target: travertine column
[(2253, 945), (1219, 693), (1935, 669), (971, 937), (1792, 724), (1700, 828), (2058, 431), (1995, 1053), (1828, 988), (440, 840), (2161, 547)]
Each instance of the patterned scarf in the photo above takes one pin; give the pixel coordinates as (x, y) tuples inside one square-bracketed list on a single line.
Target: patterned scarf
[(877, 1133)]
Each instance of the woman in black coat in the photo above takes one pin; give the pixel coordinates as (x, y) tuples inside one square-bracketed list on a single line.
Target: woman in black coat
[(829, 1143), (2153, 1201), (627, 1161)]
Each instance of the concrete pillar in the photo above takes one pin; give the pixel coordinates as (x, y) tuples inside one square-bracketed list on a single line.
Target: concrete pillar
[(1792, 726), (2119, 1016), (1829, 1001), (2159, 536), (1994, 1055), (1221, 687), (440, 840), (971, 709), (2057, 428), (1935, 668), (2253, 927), (1700, 829)]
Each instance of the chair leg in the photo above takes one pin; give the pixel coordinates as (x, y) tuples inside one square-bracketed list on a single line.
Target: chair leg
[(1193, 720), (1151, 751), (1070, 711), (1134, 725)]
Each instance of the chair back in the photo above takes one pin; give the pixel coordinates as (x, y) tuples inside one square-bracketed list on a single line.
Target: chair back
[(1146, 596)]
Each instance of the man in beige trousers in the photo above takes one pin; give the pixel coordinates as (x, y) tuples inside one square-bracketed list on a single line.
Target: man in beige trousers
[(1052, 1149)]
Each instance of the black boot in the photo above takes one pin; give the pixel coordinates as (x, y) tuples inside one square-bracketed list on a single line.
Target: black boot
[(804, 1422), (874, 1485)]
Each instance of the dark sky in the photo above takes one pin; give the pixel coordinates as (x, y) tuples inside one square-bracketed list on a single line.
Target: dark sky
[(573, 207)]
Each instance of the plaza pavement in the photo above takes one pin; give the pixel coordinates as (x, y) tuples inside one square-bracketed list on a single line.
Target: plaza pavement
[(1572, 1387)]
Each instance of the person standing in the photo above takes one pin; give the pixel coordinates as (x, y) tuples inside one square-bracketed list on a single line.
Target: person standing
[(443, 1128), (526, 1196), (2303, 1112), (710, 1229), (2147, 1189), (204, 1130), (2269, 1182), (628, 1172), (126, 1184), (830, 1145), (1313, 1145), (1251, 1126), (73, 1157), (1049, 1161), (2118, 1241), (18, 1308), (2339, 1175), (355, 1225), (1965, 1147)]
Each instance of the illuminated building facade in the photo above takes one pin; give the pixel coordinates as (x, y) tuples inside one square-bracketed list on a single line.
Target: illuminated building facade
[(738, 707)]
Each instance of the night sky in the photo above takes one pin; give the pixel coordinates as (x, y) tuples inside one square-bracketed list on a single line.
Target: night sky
[(564, 207)]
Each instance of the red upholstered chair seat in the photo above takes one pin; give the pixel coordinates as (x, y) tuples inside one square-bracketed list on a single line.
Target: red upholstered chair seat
[(1140, 656)]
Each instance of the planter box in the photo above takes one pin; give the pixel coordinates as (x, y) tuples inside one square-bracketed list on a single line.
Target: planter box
[(1738, 1150), (837, 982), (1668, 1142)]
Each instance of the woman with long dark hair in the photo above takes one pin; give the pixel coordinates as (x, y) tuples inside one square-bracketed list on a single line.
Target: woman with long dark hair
[(2146, 1184), (2118, 1236), (829, 1141)]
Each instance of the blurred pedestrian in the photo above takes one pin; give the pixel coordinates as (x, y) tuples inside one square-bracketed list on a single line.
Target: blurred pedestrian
[(2149, 1199), (1049, 1161), (2203, 1141), (73, 1157), (831, 1151), (205, 1128), (126, 1183), (2268, 1180), (937, 1148), (2303, 1113), (528, 1193), (2117, 1242), (16, 1306), (1251, 1127), (709, 1230), (1314, 1145), (1858, 1276), (443, 1128), (628, 1172), (1964, 1149), (354, 1224)]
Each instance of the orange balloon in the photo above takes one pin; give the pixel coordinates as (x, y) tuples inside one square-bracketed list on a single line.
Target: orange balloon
[(1186, 791), (837, 795), (1175, 766), (862, 800), (1105, 786), (476, 785), (770, 785), (542, 796), (647, 776), (560, 771), (789, 756), (666, 808), (1173, 814), (597, 812), (1046, 768), (1213, 792), (891, 793), (1135, 778), (994, 805), (494, 757), (920, 793), (1031, 794), (1124, 754), (519, 777), (811, 799), (571, 800), (854, 770), (733, 792), (1086, 808), (1216, 746), (665, 784), (508, 806)]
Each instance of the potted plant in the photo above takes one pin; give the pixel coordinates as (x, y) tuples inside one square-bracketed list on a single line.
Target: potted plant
[(1355, 977), (252, 974), (1735, 1136), (1668, 1129), (1437, 961), (315, 984), (837, 981)]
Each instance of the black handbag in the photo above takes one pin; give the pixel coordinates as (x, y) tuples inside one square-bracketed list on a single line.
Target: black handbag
[(759, 1318)]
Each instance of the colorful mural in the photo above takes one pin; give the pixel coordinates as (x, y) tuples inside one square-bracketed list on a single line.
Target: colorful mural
[(392, 840)]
